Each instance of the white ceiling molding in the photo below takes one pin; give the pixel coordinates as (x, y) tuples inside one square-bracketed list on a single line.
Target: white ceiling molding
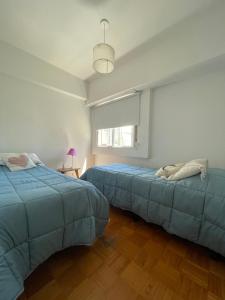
[(19, 64)]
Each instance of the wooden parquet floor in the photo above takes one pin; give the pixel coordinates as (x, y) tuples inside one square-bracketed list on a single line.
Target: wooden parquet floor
[(133, 261)]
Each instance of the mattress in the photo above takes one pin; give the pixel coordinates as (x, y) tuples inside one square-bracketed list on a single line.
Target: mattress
[(42, 212), (191, 208)]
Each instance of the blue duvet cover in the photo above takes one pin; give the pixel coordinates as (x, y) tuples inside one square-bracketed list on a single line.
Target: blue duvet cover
[(41, 212), (189, 208)]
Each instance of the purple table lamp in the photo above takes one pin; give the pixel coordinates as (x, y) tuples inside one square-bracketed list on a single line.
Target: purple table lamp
[(72, 152)]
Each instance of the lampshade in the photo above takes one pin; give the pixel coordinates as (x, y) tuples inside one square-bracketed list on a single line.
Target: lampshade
[(72, 152), (103, 58)]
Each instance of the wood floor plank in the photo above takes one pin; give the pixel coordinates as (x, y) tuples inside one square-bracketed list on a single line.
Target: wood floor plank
[(195, 273), (136, 277), (105, 277), (215, 286), (85, 290), (168, 275), (121, 290)]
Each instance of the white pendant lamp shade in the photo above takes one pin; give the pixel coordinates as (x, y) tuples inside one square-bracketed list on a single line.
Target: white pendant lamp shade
[(103, 54)]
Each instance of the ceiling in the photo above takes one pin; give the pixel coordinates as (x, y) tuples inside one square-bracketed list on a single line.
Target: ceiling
[(63, 33)]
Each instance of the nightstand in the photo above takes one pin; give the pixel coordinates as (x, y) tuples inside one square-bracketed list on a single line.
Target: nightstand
[(65, 170)]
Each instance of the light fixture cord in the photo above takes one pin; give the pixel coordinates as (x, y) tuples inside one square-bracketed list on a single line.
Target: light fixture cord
[(104, 32)]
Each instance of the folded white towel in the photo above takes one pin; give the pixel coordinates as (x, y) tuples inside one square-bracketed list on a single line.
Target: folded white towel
[(169, 170)]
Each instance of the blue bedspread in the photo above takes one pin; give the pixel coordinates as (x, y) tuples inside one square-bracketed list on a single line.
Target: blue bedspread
[(41, 212), (189, 208)]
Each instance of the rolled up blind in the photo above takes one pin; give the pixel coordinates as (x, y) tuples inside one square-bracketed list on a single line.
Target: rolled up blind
[(116, 114)]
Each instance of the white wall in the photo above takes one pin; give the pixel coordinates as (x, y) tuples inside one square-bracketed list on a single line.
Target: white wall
[(187, 121), (191, 43), (37, 119)]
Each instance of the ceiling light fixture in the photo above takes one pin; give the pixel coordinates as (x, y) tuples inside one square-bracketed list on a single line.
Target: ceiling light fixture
[(103, 53)]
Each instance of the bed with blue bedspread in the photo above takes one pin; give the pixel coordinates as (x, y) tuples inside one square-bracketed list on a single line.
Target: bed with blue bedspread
[(42, 212), (191, 208)]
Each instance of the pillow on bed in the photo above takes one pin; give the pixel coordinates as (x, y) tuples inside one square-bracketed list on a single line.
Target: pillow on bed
[(191, 168), (17, 161), (36, 160)]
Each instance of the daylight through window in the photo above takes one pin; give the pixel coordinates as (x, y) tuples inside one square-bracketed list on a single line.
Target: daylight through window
[(116, 137)]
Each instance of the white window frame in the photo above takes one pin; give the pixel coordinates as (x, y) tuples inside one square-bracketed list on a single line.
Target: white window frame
[(104, 145), (112, 130)]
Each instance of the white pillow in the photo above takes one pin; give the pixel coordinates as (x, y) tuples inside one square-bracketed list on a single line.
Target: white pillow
[(36, 160), (191, 168), (17, 161), (33, 156)]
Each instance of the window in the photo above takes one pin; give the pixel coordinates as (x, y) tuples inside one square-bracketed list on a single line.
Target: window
[(119, 137), (104, 137), (123, 136)]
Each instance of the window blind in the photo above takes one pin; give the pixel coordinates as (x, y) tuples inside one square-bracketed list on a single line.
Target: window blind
[(120, 113)]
